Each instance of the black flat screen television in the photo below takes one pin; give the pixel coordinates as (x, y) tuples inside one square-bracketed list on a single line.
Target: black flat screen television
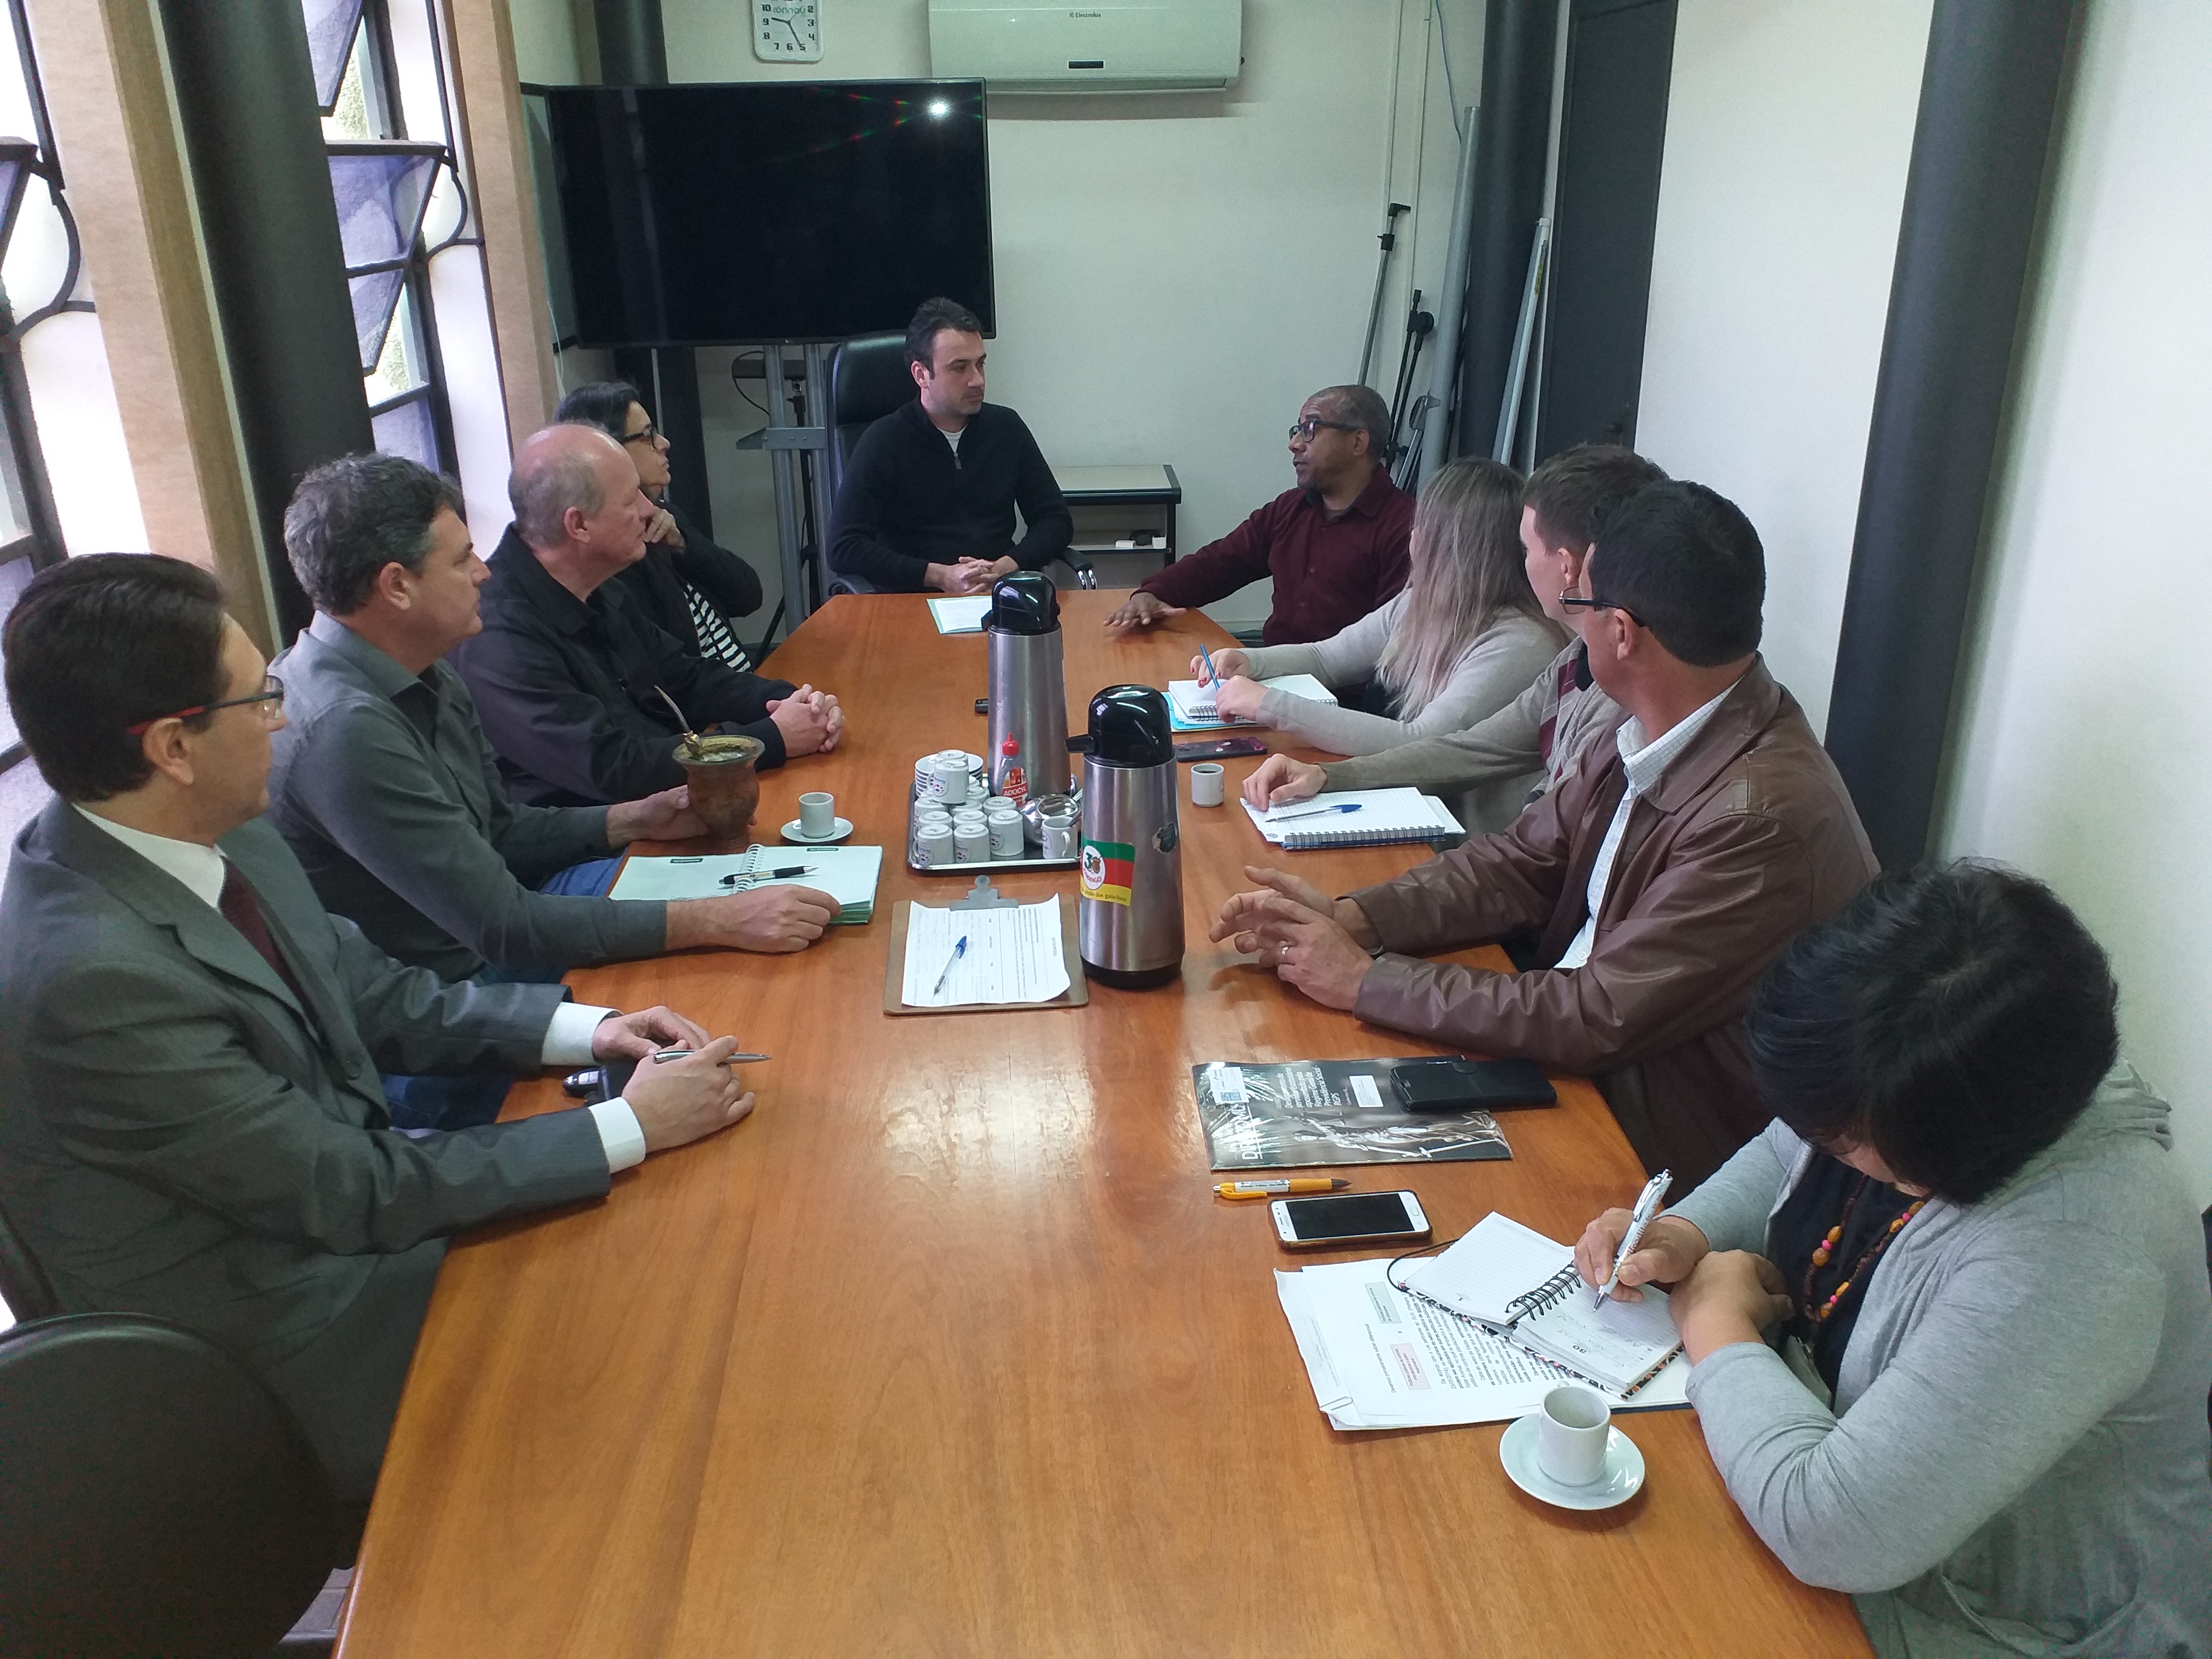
[(716, 215)]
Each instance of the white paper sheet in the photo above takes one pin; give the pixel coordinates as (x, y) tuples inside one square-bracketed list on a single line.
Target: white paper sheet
[(1013, 957), (1379, 1358), (961, 613)]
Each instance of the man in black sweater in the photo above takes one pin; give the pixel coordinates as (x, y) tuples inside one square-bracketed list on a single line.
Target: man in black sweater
[(928, 499), (568, 673)]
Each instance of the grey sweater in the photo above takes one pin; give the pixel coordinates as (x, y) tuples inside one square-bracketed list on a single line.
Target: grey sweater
[(2016, 1462), (1494, 669)]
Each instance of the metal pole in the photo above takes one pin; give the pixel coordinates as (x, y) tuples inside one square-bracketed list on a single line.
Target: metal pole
[(1444, 367), (1390, 240), (783, 469), (1516, 370)]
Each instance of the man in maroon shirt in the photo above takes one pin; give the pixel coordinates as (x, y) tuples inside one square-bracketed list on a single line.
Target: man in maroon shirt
[(1335, 546)]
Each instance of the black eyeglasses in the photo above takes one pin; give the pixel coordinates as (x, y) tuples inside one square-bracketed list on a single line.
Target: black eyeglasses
[(1576, 601), (271, 697), (1312, 424), (648, 433)]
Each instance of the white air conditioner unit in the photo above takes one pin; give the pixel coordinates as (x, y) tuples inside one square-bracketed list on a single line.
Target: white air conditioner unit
[(1108, 46)]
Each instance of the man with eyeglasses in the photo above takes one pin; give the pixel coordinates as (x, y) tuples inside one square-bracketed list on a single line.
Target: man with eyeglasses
[(1700, 834), (190, 1125), (1336, 545)]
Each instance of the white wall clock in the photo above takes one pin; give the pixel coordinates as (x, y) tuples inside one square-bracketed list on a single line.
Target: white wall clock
[(788, 31)]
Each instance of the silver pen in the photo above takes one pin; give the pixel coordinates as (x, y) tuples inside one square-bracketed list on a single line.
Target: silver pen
[(1647, 1207), (686, 1054)]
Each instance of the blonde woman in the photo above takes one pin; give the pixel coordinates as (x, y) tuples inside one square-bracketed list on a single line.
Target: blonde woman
[(1463, 639)]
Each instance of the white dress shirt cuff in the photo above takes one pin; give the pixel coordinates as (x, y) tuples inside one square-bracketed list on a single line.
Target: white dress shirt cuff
[(568, 1038), (619, 1134)]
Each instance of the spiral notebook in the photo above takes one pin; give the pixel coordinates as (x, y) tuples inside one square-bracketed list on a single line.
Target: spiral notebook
[(1191, 706), (848, 874), (1356, 818), (1524, 1286)]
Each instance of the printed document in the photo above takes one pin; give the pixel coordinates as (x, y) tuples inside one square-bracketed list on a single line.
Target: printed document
[(1012, 955), (963, 613)]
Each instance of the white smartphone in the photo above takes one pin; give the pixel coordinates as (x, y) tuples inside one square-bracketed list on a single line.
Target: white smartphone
[(1304, 1223)]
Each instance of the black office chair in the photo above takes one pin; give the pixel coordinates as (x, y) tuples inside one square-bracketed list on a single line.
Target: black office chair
[(23, 1283), (868, 379), (155, 1496)]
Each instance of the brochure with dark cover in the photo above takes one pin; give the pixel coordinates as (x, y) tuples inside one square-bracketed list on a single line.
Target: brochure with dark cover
[(1305, 1112)]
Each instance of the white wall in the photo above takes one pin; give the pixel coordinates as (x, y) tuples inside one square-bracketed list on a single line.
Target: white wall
[(1175, 273), (1788, 131), (2082, 747)]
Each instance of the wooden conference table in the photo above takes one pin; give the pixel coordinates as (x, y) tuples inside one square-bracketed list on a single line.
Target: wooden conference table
[(949, 1349)]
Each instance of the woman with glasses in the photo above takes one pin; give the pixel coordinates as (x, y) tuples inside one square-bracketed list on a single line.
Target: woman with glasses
[(1947, 1318), (1465, 637), (693, 590)]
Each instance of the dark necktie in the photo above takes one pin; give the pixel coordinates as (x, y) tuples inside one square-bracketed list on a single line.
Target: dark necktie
[(242, 907)]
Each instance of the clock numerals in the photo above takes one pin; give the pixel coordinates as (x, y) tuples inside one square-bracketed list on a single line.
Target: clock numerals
[(788, 31)]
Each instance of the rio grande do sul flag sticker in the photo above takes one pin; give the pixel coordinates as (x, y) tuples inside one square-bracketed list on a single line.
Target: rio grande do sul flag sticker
[(1110, 867)]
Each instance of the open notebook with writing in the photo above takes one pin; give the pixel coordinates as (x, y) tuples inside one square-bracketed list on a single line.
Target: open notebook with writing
[(1523, 1286)]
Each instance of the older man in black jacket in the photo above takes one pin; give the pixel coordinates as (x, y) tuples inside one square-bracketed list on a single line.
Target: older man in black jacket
[(928, 499), (569, 673)]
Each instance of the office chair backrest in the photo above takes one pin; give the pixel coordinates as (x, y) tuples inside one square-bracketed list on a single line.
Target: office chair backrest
[(23, 1284), (155, 1497), (868, 379)]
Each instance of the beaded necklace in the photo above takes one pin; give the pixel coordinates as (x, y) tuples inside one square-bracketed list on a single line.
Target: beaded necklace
[(1825, 1251)]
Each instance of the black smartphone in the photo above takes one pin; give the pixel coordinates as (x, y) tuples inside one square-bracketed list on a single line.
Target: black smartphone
[(1220, 749), (1454, 1083), (1348, 1219)]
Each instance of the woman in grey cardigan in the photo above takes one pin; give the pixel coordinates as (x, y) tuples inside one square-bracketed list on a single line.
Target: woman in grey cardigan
[(1463, 639), (1987, 1423)]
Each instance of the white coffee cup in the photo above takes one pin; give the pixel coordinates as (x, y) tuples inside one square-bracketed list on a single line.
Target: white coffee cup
[(932, 845), (1572, 1433), (1206, 784), (1059, 836), (1007, 839), (817, 813), (952, 778), (971, 844)]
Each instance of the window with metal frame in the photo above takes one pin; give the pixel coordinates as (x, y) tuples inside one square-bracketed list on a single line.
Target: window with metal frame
[(30, 534), (387, 123)]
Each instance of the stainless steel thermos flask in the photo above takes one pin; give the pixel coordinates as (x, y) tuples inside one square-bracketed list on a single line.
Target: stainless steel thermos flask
[(1129, 923), (1028, 690)]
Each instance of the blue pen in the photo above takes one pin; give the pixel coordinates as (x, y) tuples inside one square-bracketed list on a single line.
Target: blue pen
[(1279, 814), (959, 951), (1207, 657)]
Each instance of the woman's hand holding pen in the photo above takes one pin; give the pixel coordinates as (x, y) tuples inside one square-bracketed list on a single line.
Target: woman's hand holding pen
[(1668, 1253), (1229, 665)]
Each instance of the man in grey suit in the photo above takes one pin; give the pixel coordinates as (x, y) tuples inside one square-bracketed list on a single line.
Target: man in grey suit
[(189, 1121)]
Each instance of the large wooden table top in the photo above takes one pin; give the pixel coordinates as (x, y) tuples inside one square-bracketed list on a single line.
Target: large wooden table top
[(949, 1349)]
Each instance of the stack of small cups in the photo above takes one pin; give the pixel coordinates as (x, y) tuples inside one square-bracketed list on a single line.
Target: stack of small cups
[(953, 820)]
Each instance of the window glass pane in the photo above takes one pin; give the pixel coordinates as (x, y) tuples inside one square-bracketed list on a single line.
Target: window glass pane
[(399, 368), (408, 430), (350, 118), (14, 575)]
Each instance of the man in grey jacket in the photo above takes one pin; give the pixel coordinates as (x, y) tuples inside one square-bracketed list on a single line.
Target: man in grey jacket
[(1545, 729), (387, 788), (190, 1121)]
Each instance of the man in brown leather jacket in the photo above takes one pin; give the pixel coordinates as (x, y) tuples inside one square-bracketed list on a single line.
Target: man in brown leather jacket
[(1704, 830)]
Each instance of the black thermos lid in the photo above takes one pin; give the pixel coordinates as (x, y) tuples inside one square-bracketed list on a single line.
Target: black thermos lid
[(1024, 603), (1129, 726)]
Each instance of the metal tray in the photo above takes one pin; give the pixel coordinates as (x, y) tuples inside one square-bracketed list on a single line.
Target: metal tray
[(981, 866)]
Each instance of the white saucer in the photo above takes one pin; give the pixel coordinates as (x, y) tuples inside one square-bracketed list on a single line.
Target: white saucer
[(1622, 1479), (839, 829)]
